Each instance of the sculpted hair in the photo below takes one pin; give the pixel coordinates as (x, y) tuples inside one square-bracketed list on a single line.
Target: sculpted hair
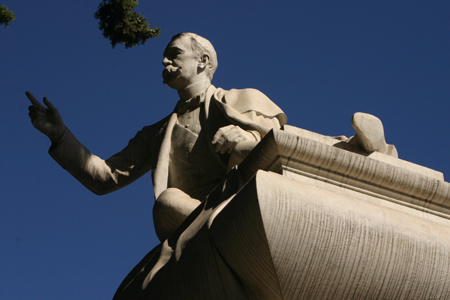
[(201, 46)]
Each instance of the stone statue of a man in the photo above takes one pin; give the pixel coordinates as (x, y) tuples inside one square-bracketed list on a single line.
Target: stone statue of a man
[(189, 151)]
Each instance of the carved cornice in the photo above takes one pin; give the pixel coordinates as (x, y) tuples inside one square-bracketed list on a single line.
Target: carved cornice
[(285, 153)]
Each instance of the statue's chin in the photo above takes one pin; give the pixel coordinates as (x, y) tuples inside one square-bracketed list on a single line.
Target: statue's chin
[(168, 80), (172, 83), (169, 76)]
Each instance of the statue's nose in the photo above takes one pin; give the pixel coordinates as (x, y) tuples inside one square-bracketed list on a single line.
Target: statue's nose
[(165, 62)]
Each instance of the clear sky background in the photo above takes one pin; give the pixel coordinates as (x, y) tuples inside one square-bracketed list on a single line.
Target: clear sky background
[(320, 61)]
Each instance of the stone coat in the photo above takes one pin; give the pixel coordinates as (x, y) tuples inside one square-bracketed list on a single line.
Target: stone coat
[(149, 149)]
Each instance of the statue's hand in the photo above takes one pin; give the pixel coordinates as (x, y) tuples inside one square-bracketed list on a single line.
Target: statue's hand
[(227, 137), (46, 118)]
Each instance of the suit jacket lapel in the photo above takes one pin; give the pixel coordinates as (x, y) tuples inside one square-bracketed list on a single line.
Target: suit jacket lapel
[(161, 172)]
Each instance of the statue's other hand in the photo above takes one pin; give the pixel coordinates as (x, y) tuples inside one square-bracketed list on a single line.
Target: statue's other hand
[(46, 118), (227, 137)]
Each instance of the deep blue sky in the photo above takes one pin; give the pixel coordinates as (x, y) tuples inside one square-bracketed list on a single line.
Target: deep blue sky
[(320, 61)]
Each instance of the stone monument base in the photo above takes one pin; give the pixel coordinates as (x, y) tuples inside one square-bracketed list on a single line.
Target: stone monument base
[(302, 219)]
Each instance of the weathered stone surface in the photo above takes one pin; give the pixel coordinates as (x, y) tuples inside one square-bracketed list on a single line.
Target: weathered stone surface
[(328, 242), (396, 180), (332, 224), (304, 216)]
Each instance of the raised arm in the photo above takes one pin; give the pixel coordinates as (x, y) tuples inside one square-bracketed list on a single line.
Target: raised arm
[(98, 175)]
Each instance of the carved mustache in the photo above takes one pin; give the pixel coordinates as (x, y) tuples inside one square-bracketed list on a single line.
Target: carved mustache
[(172, 69)]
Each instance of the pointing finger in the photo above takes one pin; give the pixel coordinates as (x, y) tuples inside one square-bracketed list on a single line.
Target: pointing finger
[(33, 100)]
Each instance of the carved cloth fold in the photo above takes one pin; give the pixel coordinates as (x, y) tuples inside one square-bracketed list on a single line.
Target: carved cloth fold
[(248, 108)]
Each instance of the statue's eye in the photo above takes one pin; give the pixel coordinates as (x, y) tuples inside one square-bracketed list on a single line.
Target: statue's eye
[(173, 53)]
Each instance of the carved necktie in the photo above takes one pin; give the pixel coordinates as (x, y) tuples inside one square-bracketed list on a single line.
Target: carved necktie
[(190, 104)]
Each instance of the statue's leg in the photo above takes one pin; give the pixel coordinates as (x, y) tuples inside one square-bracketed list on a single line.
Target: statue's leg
[(171, 208)]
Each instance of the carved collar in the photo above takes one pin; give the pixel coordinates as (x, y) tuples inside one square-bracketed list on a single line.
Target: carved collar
[(194, 89)]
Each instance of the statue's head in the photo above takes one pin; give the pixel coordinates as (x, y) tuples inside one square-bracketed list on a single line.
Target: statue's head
[(188, 57)]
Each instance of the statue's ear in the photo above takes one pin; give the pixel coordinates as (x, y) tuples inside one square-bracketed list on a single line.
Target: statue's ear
[(203, 62)]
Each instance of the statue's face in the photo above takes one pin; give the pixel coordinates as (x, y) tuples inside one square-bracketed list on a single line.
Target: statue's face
[(180, 63)]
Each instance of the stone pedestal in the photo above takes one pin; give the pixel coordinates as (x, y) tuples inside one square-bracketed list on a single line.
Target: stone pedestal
[(304, 218)]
